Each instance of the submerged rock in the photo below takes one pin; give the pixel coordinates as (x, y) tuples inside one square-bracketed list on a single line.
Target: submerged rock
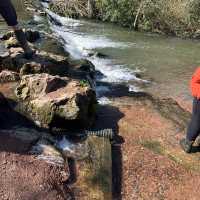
[(57, 102)]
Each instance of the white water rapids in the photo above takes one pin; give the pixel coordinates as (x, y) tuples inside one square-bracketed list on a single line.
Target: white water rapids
[(81, 45)]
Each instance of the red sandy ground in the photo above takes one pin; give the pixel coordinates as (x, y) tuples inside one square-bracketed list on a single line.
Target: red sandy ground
[(23, 177), (148, 174)]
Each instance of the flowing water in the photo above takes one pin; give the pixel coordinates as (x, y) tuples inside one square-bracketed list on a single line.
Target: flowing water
[(165, 62)]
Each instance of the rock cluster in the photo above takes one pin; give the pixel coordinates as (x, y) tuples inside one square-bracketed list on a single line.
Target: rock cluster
[(53, 90)]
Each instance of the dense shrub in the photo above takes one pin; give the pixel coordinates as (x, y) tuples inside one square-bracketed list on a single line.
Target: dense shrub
[(71, 8), (175, 17)]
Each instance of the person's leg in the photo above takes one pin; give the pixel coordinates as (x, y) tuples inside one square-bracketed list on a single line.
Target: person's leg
[(193, 128), (9, 14)]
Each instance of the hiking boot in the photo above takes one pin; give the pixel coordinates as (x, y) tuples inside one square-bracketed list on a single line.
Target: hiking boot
[(21, 37), (186, 145)]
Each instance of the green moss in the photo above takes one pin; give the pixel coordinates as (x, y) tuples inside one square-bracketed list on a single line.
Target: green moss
[(84, 83), (43, 113), (191, 166), (154, 146), (157, 148), (100, 179), (98, 163)]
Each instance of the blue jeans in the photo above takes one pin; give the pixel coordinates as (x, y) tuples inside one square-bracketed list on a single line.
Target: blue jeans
[(193, 130), (8, 12)]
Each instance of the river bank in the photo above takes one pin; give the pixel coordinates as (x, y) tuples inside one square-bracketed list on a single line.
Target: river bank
[(176, 18)]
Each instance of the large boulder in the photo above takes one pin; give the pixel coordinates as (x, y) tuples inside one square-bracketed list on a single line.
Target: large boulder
[(52, 101)]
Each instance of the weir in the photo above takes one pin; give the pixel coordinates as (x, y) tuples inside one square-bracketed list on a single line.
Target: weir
[(128, 64)]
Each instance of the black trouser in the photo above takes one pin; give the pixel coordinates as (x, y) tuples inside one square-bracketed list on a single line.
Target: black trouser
[(194, 126), (8, 12)]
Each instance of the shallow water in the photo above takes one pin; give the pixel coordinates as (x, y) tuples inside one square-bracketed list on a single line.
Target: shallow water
[(166, 61)]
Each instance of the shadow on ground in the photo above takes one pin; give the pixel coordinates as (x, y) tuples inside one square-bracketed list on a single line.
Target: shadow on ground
[(12, 121), (108, 117)]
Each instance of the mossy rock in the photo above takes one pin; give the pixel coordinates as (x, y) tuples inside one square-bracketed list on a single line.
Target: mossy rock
[(12, 42)]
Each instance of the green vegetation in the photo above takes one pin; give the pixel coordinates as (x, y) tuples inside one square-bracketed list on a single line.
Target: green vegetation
[(154, 146), (177, 157), (172, 17), (84, 83)]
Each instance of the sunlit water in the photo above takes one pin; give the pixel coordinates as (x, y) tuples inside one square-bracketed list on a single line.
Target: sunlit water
[(166, 62)]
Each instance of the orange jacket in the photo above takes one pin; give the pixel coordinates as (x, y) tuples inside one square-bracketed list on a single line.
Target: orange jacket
[(195, 83)]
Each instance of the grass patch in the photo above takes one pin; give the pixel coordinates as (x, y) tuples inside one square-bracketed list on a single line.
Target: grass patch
[(190, 166), (154, 146), (157, 148)]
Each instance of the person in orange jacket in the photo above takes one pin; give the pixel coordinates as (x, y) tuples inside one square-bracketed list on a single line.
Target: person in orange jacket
[(8, 12), (193, 130)]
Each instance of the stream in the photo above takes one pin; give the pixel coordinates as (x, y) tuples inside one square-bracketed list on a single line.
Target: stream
[(127, 62), (164, 64)]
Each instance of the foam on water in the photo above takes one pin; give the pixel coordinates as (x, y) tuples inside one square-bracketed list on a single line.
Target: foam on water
[(104, 101), (71, 149), (113, 72), (133, 88), (37, 18), (80, 44), (77, 43)]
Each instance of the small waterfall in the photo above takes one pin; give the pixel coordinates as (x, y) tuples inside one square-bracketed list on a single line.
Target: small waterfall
[(81, 44)]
